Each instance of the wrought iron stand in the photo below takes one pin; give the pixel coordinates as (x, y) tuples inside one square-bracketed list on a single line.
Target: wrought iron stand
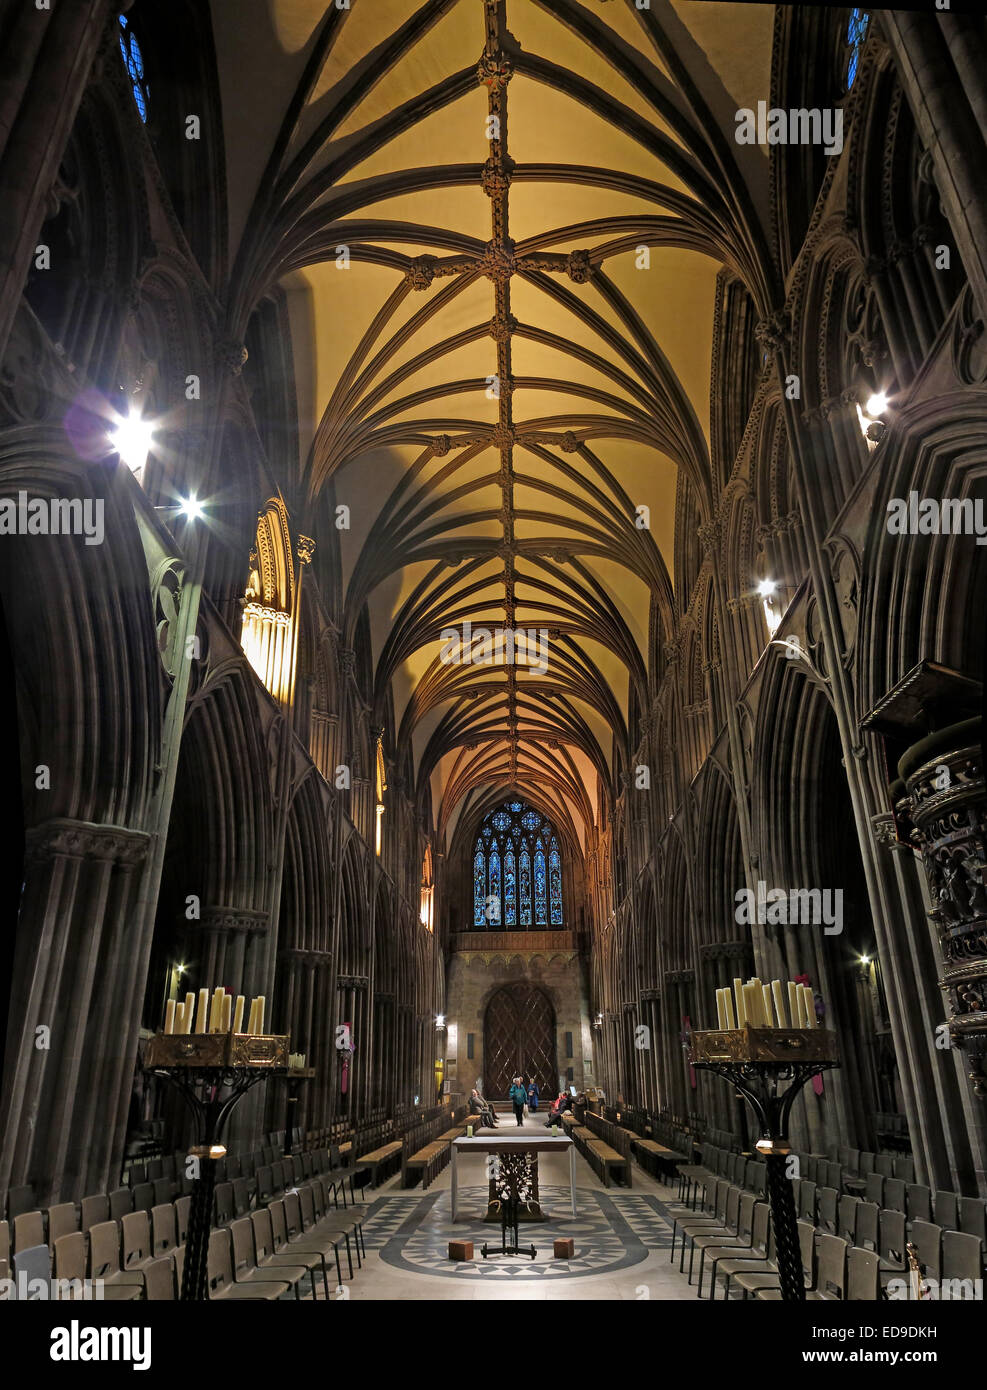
[(758, 1062), (212, 1072), (514, 1170)]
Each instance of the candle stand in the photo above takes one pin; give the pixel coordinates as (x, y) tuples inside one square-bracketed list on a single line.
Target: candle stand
[(212, 1072), (759, 1062), (513, 1182)]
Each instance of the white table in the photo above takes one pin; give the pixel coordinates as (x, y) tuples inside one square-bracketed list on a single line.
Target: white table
[(519, 1143)]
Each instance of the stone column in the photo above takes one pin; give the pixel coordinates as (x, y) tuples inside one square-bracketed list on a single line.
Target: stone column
[(76, 1001)]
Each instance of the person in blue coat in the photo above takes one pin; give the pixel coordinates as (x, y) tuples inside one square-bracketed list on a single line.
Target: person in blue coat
[(519, 1097), (533, 1096)]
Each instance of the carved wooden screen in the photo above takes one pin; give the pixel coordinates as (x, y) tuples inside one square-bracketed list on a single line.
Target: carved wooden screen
[(519, 1038)]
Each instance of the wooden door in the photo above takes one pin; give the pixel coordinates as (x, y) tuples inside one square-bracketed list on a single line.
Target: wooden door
[(519, 1038)]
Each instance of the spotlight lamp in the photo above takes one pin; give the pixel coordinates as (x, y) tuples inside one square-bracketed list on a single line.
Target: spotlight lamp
[(132, 438), (191, 508), (767, 588), (440, 1020)]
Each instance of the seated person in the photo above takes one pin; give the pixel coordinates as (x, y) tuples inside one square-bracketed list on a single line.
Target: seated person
[(478, 1106), (560, 1105)]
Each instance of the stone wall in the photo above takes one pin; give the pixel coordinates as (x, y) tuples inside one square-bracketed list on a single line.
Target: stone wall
[(474, 976)]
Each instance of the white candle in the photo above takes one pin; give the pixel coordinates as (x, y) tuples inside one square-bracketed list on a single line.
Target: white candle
[(728, 1008), (751, 997), (227, 1018), (169, 1023), (202, 1017), (215, 1010), (721, 1013), (253, 1017), (779, 998), (189, 1012), (738, 994), (793, 1004), (238, 1014), (766, 994), (261, 1004), (180, 1019), (810, 1007)]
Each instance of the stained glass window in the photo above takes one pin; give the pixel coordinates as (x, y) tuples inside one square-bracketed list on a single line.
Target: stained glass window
[(510, 889), (134, 62), (517, 882), (493, 863), (555, 884), (856, 32), (541, 917), (479, 886)]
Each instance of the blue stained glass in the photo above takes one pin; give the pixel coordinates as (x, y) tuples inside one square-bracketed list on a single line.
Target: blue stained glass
[(555, 885), (856, 32), (510, 890), (541, 915), (493, 866), (524, 869), (133, 60), (479, 886), (524, 881)]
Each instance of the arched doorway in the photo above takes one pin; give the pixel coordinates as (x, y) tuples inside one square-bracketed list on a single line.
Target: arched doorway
[(519, 1038)]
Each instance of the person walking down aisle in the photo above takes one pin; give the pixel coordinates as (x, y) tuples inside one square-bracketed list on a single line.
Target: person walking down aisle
[(519, 1096), (533, 1097)]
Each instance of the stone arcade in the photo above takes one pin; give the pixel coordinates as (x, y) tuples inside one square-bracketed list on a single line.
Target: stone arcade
[(513, 622)]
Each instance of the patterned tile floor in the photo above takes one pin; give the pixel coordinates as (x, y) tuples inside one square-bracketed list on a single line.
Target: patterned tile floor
[(622, 1241)]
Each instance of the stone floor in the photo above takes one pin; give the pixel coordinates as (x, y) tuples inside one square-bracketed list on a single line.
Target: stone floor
[(622, 1239)]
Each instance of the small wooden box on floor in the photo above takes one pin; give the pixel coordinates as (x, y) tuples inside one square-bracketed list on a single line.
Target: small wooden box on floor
[(460, 1250), (565, 1248)]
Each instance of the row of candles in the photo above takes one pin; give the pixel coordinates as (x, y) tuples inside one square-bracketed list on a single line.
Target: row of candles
[(764, 1006), (216, 1014)]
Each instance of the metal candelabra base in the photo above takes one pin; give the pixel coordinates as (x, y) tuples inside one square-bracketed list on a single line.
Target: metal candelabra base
[(769, 1067)]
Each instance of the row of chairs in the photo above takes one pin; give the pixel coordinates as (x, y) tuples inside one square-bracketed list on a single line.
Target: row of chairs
[(141, 1255), (850, 1249)]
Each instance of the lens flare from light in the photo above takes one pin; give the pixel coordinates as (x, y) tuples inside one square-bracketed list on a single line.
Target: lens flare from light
[(191, 508), (876, 405), (132, 438)]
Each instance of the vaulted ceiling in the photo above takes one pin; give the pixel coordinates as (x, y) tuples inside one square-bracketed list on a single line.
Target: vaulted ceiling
[(499, 225)]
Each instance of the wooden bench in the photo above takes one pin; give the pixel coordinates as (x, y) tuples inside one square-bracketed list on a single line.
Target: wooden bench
[(606, 1160), (378, 1160), (426, 1164), (663, 1160)]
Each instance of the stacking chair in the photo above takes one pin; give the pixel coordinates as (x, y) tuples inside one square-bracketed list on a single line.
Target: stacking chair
[(268, 1256), (306, 1235), (962, 1259), (182, 1207), (894, 1193), (716, 1247), (699, 1209), (154, 1169), (867, 1236), (265, 1185), (222, 1285), (104, 1263), (144, 1196), (29, 1231), (165, 1190), (947, 1211), (904, 1167), (827, 1278), (894, 1263), (759, 1259), (884, 1164), (242, 1188), (874, 1189), (62, 1220), (862, 1275), (33, 1262), (301, 1250), (136, 1173), (827, 1199), (768, 1282), (972, 1220), (866, 1163), (709, 1217), (807, 1200), (95, 1210), (223, 1203), (245, 1269), (918, 1200), (135, 1241), (164, 1229), (159, 1280), (329, 1220), (846, 1218), (834, 1175), (927, 1242), (121, 1201), (70, 1259)]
